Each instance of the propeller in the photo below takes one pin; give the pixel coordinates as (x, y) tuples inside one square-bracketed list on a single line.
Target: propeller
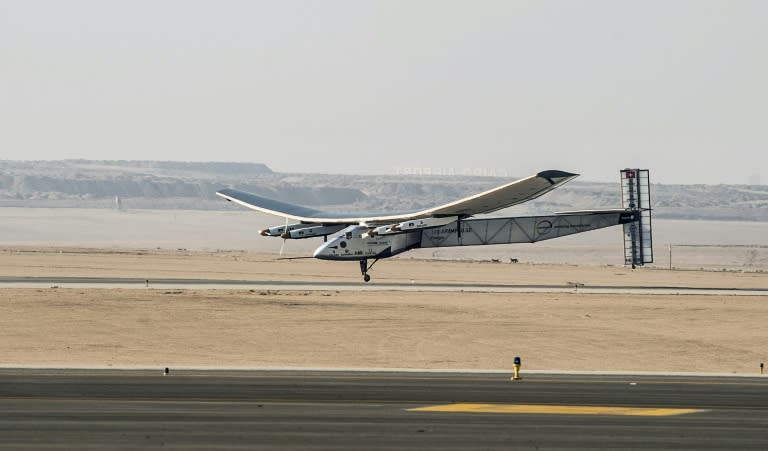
[(284, 235)]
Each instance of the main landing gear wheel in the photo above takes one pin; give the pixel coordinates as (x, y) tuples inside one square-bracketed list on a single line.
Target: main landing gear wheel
[(364, 269)]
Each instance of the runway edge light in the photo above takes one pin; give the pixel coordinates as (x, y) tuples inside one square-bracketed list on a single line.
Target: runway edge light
[(516, 376)]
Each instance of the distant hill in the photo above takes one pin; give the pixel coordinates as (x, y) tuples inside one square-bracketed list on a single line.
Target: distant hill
[(191, 185), (68, 169)]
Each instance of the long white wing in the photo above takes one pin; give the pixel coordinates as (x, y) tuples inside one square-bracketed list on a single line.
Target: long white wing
[(504, 196)]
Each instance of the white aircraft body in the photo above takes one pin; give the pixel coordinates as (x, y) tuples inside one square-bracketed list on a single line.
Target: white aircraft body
[(373, 236)]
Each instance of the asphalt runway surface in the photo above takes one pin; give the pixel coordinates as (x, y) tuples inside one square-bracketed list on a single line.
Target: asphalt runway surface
[(359, 285), (78, 409)]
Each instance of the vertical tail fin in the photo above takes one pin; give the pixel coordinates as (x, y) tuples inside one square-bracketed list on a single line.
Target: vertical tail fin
[(636, 196)]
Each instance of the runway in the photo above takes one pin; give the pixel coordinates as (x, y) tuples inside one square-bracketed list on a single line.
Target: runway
[(365, 410), (358, 285)]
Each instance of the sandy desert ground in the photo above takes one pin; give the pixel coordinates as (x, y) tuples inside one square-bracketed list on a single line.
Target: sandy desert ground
[(457, 330)]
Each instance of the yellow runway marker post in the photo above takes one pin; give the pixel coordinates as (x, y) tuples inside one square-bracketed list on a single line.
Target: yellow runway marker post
[(517, 363), (557, 410)]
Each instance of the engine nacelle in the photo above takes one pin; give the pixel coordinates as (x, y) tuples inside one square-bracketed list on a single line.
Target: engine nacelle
[(425, 223), (313, 231), (281, 230), (381, 230)]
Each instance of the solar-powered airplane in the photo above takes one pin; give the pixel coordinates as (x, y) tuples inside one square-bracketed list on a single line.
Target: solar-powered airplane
[(373, 236)]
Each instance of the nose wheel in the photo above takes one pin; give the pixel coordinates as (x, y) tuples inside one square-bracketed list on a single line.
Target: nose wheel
[(364, 268)]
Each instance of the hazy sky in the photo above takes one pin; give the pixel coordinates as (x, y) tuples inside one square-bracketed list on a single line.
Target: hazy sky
[(679, 87)]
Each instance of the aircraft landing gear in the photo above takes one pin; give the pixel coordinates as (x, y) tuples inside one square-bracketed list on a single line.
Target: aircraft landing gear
[(364, 268)]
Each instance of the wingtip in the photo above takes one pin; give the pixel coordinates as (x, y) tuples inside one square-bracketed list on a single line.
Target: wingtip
[(555, 174)]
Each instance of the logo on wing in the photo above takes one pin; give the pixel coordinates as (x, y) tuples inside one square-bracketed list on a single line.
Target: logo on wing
[(543, 227)]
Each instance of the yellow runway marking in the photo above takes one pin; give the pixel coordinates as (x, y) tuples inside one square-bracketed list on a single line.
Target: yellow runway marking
[(557, 410)]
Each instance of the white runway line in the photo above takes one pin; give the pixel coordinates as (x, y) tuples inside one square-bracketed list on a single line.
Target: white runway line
[(399, 287), (12, 367)]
